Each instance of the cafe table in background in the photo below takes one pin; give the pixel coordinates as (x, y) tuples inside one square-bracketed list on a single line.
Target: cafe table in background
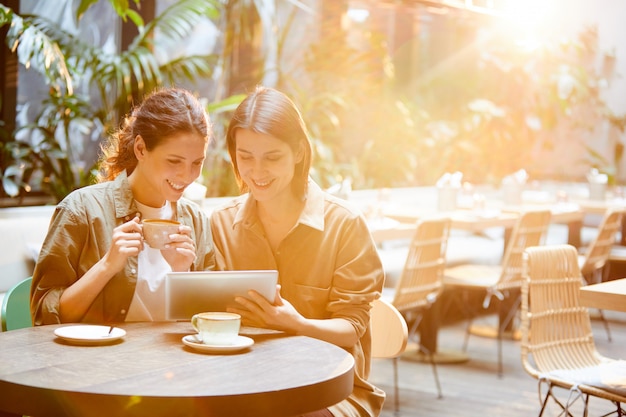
[(392, 214), (151, 372), (609, 295)]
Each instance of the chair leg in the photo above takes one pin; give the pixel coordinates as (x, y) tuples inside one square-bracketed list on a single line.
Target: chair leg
[(605, 322), (574, 394), (550, 394), (598, 276), (396, 389), (468, 331), (460, 299), (470, 318), (433, 365), (544, 403), (500, 366), (508, 319)]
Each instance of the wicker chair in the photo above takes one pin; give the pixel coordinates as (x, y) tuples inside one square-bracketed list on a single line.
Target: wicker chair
[(501, 281), (558, 348), (593, 260), (420, 283)]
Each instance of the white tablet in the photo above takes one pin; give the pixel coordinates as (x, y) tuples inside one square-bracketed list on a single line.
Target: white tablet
[(188, 293)]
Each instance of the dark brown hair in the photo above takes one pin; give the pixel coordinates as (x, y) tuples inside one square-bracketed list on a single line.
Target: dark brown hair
[(268, 111), (163, 113)]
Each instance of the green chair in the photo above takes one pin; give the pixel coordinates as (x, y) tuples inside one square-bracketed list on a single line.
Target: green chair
[(15, 312)]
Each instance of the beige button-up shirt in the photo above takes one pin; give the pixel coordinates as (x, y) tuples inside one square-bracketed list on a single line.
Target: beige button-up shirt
[(328, 268)]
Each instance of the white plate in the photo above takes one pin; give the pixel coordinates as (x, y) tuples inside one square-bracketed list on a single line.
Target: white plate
[(89, 334), (240, 343)]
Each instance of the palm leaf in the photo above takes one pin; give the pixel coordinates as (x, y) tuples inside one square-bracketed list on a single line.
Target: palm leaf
[(177, 21), (36, 49), (189, 67), (228, 104)]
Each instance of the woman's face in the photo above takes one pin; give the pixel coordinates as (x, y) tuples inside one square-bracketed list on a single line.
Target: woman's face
[(164, 172), (265, 164)]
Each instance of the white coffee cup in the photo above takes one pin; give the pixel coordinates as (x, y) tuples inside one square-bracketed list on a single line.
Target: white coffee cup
[(216, 328), (156, 232)]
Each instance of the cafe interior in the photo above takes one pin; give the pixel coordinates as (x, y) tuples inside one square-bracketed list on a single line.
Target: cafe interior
[(482, 140)]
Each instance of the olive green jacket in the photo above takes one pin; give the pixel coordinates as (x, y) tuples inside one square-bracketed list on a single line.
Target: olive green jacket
[(80, 234)]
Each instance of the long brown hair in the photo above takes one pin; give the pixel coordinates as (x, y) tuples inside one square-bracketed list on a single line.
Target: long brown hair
[(163, 113), (268, 111)]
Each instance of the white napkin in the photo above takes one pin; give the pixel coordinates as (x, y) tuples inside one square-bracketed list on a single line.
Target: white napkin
[(512, 187), (518, 178), (595, 177), (450, 180)]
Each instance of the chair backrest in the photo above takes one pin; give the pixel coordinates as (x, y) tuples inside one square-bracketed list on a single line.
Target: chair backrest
[(599, 250), (530, 230), (420, 282), (389, 330), (15, 313), (556, 329)]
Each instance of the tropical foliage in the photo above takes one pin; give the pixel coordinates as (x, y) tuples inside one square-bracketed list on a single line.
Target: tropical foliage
[(89, 87), (488, 111)]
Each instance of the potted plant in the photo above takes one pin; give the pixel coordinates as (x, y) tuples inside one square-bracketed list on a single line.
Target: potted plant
[(89, 87)]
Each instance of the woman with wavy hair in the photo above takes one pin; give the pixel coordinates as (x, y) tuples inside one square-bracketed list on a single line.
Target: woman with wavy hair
[(94, 265)]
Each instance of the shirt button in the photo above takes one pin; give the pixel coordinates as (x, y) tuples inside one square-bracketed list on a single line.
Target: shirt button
[(122, 311), (133, 271)]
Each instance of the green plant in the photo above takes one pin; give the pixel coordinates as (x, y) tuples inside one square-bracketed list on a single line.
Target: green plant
[(88, 88)]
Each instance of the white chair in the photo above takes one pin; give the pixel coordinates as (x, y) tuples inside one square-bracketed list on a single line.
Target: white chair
[(389, 338)]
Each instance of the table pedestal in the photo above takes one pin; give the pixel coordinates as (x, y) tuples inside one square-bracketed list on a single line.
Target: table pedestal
[(442, 356), (492, 332)]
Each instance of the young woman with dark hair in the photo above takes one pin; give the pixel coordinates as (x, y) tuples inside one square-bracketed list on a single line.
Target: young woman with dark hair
[(329, 269)]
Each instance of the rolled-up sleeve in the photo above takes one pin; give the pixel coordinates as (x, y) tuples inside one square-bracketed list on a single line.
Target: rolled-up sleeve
[(56, 268)]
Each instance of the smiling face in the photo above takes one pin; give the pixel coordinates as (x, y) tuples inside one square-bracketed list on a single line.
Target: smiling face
[(164, 172), (266, 165)]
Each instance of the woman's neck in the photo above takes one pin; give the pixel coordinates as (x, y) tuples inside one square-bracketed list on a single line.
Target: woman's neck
[(279, 217), (279, 209), (141, 191)]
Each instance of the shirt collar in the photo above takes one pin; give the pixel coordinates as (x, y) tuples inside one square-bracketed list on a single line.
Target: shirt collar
[(124, 199), (312, 215)]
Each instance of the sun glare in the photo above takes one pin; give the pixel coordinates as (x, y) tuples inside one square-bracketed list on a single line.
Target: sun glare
[(529, 23)]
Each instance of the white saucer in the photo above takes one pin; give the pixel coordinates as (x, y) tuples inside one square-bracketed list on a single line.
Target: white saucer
[(241, 342), (89, 334)]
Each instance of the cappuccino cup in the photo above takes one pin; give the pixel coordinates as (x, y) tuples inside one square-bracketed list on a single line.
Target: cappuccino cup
[(156, 232), (216, 328)]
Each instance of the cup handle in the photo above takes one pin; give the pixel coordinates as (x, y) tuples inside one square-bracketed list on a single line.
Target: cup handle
[(194, 322)]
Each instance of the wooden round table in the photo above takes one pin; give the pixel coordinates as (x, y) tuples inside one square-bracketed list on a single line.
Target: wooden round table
[(150, 372)]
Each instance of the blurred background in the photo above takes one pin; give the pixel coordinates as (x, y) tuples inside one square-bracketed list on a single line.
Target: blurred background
[(395, 93)]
